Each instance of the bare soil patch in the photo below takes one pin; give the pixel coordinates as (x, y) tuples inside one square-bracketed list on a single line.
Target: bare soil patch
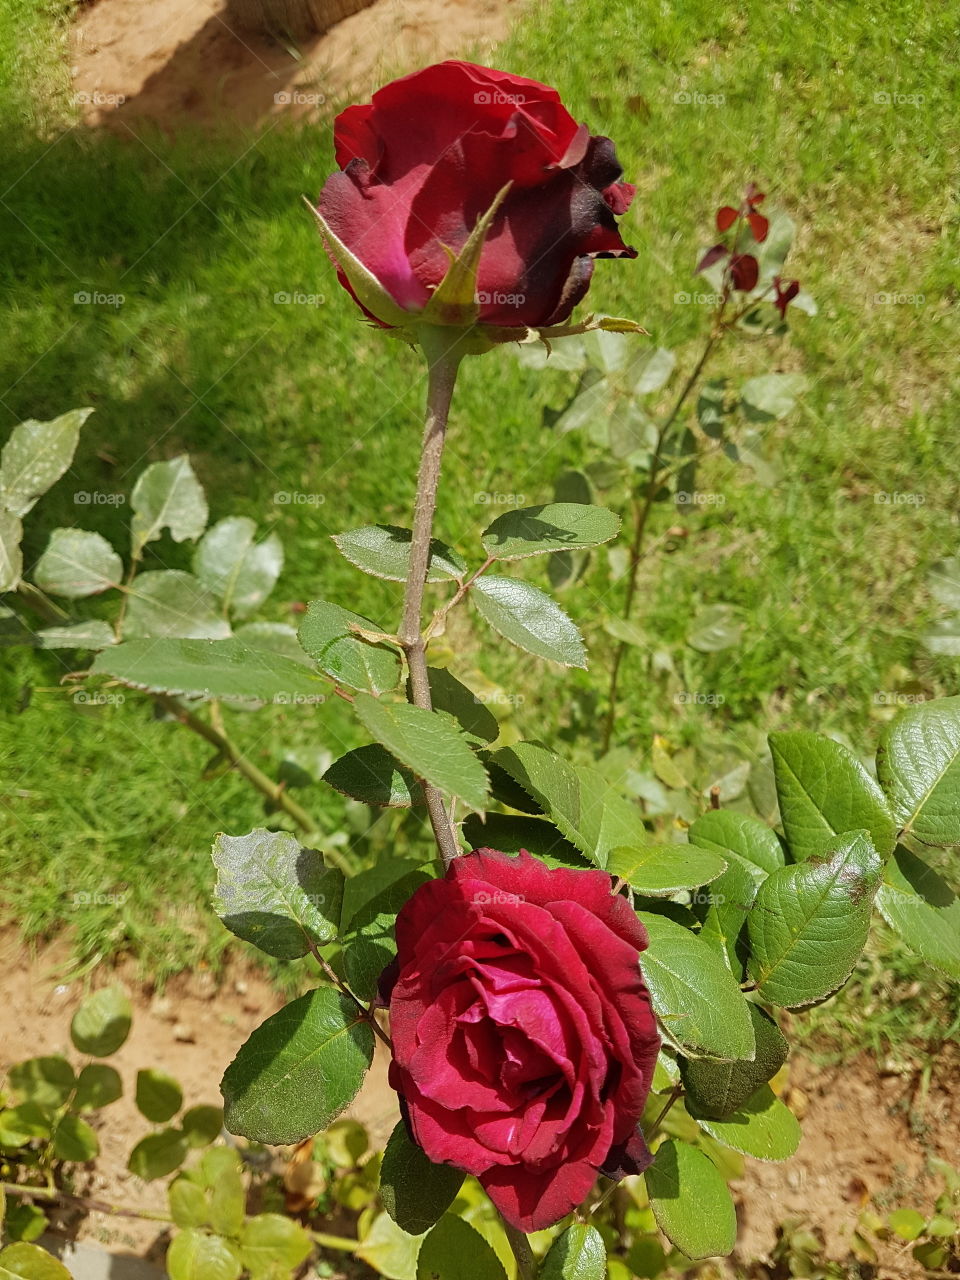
[(174, 60)]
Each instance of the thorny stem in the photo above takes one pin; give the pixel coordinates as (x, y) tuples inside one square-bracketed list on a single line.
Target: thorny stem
[(367, 1014), (443, 358), (526, 1262)]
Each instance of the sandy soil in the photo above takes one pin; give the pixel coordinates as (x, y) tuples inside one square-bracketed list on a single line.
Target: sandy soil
[(866, 1137), (171, 59)]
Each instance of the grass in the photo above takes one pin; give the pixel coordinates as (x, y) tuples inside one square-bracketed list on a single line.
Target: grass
[(199, 232)]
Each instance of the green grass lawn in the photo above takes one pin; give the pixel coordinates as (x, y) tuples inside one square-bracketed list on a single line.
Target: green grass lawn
[(198, 233)]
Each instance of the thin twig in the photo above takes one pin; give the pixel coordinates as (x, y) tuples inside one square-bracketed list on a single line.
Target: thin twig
[(81, 1202), (526, 1263), (334, 977), (675, 1093)]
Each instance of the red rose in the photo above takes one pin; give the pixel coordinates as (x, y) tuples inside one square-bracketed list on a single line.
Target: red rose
[(424, 161), (524, 1040)]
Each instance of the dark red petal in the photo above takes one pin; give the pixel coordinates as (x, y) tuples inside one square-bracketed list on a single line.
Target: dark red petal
[(711, 256), (628, 1158), (744, 271), (753, 196), (759, 226), (726, 217)]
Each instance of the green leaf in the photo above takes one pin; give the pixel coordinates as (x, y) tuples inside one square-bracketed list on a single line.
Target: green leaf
[(528, 618), (415, 1191), (188, 1203), (922, 908), (19, 1124), (510, 833), (201, 1125), (579, 801), (158, 1154), (696, 997), (824, 791), (97, 1086), (167, 602), (651, 370), (428, 743), (22, 1261), (554, 526), (370, 944), (48, 1081), (76, 564), (389, 1250), (590, 403), (718, 1089), (383, 550), (918, 764), (772, 395), (691, 1202), (227, 669), (23, 1221), (298, 1070), (272, 892), (763, 1127), (371, 775), (474, 717), (661, 870), (906, 1223), (726, 831), (326, 635), (228, 1200), (74, 1140), (90, 634), (577, 1254), (367, 885), (714, 629), (269, 1241), (102, 1022), (238, 570), (728, 904), (167, 495), (455, 1251), (158, 1097), (810, 921), (11, 556), (197, 1255), (35, 457)]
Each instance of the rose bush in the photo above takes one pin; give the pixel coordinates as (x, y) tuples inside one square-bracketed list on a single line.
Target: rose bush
[(426, 159), (524, 1039)]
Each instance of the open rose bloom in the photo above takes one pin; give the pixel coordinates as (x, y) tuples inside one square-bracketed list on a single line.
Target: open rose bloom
[(427, 158), (524, 1039)]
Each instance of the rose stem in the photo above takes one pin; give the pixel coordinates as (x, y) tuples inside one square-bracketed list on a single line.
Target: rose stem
[(526, 1262), (443, 352)]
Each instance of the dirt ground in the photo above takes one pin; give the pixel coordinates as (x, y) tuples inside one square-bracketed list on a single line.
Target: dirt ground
[(866, 1137), (171, 59)]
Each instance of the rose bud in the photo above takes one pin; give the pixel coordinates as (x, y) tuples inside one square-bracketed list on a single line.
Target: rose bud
[(429, 157), (523, 1035)]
